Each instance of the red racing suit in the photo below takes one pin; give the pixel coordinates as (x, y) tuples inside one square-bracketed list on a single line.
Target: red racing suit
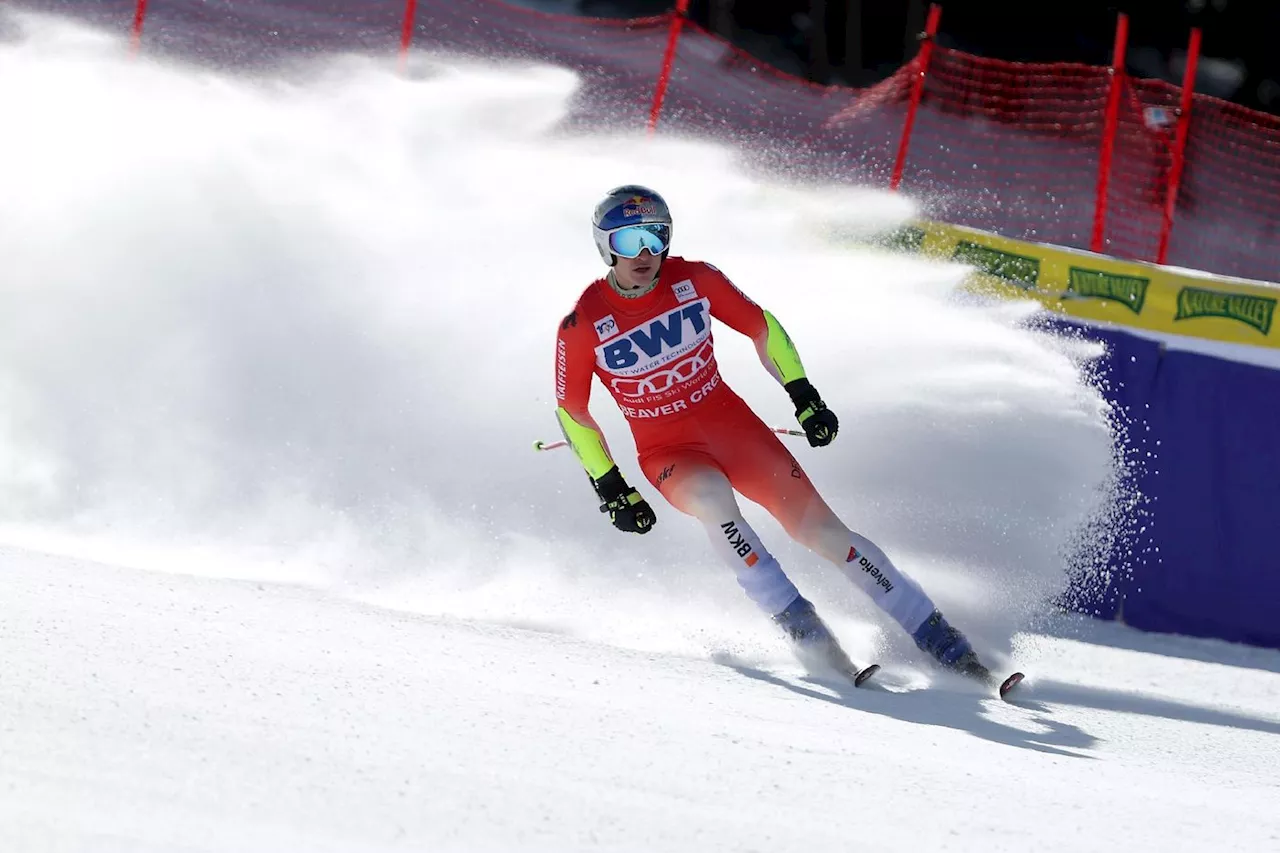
[(655, 355)]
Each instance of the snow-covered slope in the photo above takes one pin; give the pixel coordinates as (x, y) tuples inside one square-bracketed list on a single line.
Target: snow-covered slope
[(281, 570), (148, 711)]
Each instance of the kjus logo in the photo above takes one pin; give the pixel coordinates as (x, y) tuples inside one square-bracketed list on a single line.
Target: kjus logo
[(606, 327), (867, 566), (652, 345), (739, 543)]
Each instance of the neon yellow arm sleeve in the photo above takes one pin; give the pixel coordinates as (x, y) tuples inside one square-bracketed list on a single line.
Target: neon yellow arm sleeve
[(778, 352), (587, 443)]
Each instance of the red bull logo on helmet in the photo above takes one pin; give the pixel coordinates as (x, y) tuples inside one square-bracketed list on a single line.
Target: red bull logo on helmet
[(639, 205)]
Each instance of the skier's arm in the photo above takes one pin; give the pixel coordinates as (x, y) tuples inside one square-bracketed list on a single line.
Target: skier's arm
[(776, 351), (628, 511), (573, 393), (774, 346)]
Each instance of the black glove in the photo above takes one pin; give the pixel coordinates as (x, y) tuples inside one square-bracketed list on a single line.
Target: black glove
[(628, 511), (819, 423)]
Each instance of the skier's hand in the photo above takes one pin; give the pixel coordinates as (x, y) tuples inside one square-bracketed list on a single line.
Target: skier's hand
[(819, 423), (628, 511)]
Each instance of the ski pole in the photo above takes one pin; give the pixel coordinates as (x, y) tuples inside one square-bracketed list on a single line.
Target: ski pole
[(552, 445)]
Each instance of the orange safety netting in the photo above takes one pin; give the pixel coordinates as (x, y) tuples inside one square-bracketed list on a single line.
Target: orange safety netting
[(1013, 148)]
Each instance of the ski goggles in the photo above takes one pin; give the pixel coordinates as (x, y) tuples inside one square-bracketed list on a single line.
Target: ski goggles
[(630, 241)]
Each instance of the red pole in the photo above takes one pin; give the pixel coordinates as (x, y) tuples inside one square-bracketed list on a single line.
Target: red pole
[(406, 32), (660, 93), (1109, 132), (917, 91), (1179, 144), (139, 16)]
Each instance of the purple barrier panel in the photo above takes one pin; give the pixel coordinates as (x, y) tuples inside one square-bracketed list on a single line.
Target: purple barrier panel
[(1216, 490)]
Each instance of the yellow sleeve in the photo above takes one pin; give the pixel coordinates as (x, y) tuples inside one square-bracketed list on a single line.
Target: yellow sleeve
[(780, 352), (740, 313), (574, 362), (587, 443)]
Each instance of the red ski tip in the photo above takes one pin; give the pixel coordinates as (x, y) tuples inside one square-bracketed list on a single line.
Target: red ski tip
[(1010, 683)]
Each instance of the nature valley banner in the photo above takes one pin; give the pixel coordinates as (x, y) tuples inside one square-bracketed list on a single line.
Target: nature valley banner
[(1093, 287)]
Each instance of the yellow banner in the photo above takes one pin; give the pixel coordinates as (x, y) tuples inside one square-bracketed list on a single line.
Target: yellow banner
[(1094, 287)]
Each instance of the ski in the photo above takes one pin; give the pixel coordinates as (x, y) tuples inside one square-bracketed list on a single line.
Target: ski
[(979, 672), (859, 676), (817, 647), (839, 660), (1009, 683)]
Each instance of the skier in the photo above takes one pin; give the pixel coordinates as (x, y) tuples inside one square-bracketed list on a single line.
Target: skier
[(645, 331)]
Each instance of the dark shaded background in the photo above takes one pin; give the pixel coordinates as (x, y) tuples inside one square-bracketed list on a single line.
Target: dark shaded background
[(1240, 60)]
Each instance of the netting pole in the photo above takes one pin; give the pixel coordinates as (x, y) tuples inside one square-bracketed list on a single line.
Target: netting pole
[(668, 59), (917, 91), (406, 33), (1179, 144), (139, 17), (1109, 132)]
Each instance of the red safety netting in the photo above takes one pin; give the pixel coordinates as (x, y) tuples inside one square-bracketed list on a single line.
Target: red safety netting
[(619, 61), (1014, 148), (786, 124), (1145, 130), (1228, 215), (1009, 147)]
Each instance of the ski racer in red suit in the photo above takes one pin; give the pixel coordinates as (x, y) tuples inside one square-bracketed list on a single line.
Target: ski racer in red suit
[(645, 330)]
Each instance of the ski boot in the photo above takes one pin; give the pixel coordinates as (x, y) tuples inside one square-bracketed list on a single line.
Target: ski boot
[(952, 650), (815, 644), (946, 645)]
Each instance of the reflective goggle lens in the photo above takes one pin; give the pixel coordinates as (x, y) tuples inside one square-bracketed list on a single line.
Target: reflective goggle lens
[(629, 242)]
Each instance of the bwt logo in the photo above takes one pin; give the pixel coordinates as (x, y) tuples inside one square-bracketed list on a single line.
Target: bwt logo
[(867, 566), (659, 337)]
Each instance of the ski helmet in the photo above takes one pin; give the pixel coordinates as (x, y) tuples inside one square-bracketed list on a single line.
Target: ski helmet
[(617, 216)]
